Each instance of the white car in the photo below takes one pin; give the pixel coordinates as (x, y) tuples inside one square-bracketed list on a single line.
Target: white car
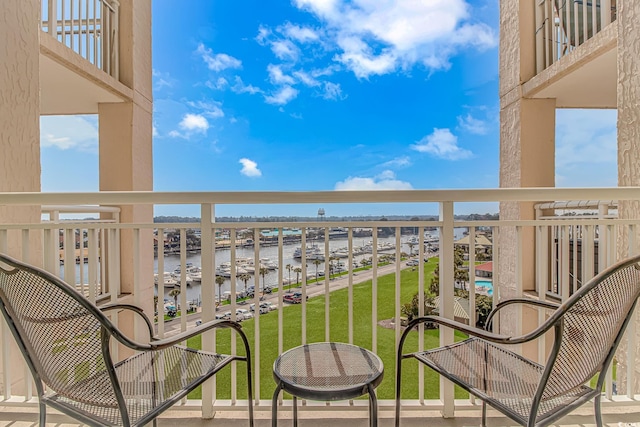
[(268, 305), (243, 314), (412, 262)]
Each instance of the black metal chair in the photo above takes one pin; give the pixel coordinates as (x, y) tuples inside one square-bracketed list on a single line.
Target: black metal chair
[(66, 342), (587, 329)]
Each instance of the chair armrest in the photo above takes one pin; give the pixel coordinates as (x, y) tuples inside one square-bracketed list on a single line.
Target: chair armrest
[(523, 301), (462, 327), (175, 339), (136, 310)]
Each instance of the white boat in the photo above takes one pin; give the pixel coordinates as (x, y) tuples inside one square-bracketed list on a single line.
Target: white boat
[(312, 253), (195, 273), (168, 280)]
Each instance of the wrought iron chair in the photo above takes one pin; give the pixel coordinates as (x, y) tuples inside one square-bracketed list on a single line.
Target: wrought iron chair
[(66, 342), (587, 329)]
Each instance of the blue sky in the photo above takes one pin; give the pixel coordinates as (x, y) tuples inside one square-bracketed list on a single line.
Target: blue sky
[(307, 95)]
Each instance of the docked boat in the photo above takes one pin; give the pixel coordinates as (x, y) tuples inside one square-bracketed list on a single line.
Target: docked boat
[(168, 280)]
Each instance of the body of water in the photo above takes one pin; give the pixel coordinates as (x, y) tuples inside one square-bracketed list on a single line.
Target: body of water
[(194, 292)]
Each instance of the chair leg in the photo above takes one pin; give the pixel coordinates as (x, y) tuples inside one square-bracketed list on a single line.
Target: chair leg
[(484, 414), (398, 377), (249, 393), (43, 414), (598, 409)]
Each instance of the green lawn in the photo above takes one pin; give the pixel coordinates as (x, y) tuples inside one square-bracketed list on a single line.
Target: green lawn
[(362, 322)]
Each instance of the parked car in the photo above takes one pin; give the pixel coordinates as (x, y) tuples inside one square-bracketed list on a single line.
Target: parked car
[(262, 309), (243, 313), (412, 262), (291, 299), (268, 305)]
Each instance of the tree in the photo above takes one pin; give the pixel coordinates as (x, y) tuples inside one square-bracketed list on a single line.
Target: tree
[(263, 272), (174, 294), (317, 262), (245, 278), (219, 282), (298, 270), (411, 245), (410, 309), (289, 267)]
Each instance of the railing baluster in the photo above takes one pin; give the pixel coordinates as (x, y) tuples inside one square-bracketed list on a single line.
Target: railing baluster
[(374, 288), (303, 260), (207, 244), (327, 278), (233, 304), (446, 295)]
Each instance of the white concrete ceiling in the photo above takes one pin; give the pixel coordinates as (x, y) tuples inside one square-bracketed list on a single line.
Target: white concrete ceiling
[(63, 91), (593, 84)]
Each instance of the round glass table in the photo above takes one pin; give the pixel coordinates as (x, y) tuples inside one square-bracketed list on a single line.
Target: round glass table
[(327, 371)]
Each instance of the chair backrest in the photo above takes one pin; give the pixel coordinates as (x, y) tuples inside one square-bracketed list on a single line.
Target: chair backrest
[(593, 322), (59, 332)]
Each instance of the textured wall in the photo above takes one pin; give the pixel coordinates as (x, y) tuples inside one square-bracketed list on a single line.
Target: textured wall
[(628, 147), (19, 96), (126, 155)]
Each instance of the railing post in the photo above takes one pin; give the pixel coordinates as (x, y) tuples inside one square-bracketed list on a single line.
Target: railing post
[(446, 297), (208, 299)]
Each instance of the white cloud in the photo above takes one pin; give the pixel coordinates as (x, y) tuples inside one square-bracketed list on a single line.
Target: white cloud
[(378, 37), (220, 84), (249, 168), (212, 109), (442, 144), (472, 125), (194, 123), (300, 34), (384, 181), (241, 87), (217, 62), (282, 96), (69, 132), (306, 78), (161, 80), (263, 35), (398, 162), (285, 50), (276, 76), (332, 91), (586, 140)]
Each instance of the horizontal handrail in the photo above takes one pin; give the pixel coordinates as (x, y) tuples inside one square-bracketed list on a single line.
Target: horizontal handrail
[(531, 194)]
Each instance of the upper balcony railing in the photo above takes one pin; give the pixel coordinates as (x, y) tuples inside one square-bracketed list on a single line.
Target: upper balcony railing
[(563, 25), (88, 27), (359, 276)]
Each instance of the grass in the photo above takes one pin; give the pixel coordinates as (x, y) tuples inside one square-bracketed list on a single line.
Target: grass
[(315, 324)]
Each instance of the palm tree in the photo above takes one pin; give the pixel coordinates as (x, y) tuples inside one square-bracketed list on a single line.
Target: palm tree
[(317, 262), (298, 270), (263, 272), (219, 282), (174, 294), (289, 267), (411, 245), (245, 278)]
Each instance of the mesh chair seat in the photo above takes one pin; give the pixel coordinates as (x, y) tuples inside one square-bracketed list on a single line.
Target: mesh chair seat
[(66, 341), (175, 369), (585, 330), (498, 376)]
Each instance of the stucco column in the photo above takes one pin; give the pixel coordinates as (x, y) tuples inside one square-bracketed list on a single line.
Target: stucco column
[(628, 96), (20, 115), (20, 137), (527, 145), (125, 132)]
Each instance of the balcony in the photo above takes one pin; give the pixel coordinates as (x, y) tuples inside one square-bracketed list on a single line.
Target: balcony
[(355, 275)]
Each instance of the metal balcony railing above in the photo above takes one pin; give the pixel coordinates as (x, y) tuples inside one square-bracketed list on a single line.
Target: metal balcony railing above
[(88, 27), (563, 25)]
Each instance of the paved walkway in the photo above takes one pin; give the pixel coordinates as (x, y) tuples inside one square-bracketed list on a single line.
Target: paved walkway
[(313, 289)]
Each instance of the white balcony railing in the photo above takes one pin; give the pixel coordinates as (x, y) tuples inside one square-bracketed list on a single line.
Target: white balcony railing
[(361, 306), (563, 25), (88, 27)]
